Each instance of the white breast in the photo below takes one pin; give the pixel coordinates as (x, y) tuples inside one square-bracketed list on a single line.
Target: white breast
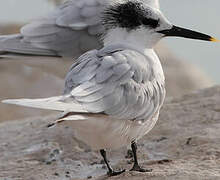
[(102, 132)]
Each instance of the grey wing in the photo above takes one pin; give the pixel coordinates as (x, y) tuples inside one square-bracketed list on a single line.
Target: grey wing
[(70, 30), (14, 44), (113, 84)]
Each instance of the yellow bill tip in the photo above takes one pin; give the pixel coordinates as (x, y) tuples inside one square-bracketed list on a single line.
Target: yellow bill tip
[(214, 40)]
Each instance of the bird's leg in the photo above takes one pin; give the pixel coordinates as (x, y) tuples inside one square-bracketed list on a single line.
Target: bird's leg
[(136, 166), (111, 172)]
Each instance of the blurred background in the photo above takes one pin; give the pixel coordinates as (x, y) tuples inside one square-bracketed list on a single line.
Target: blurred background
[(188, 64)]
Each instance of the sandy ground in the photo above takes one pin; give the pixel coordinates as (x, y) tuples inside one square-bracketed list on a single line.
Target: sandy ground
[(184, 145)]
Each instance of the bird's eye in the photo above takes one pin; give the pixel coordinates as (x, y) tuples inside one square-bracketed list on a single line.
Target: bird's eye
[(150, 22)]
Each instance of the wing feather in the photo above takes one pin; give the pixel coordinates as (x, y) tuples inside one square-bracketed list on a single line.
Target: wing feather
[(53, 103), (103, 75), (106, 102), (86, 88)]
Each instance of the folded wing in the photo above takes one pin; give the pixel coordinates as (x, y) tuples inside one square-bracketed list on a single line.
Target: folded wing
[(115, 82)]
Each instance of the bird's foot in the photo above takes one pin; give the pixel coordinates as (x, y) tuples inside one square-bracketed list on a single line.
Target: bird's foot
[(115, 173), (139, 169)]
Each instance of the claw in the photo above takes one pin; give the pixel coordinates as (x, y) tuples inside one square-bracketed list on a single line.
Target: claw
[(115, 173), (136, 166), (110, 170)]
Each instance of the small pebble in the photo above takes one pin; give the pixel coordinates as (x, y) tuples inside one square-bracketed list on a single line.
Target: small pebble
[(188, 141), (93, 163), (87, 150), (52, 155), (164, 161), (162, 139), (56, 151), (48, 162), (56, 174), (67, 176)]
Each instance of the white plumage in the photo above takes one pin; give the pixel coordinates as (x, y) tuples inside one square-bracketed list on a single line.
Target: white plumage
[(103, 132)]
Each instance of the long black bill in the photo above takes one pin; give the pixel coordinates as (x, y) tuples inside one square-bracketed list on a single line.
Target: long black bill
[(181, 32)]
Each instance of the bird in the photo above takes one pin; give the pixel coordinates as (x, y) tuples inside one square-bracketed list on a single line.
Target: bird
[(55, 2), (68, 31), (113, 95)]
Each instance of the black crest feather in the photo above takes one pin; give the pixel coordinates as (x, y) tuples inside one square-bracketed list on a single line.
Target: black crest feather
[(128, 15)]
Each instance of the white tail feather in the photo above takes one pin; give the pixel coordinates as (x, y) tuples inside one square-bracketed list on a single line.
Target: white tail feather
[(74, 118), (52, 103)]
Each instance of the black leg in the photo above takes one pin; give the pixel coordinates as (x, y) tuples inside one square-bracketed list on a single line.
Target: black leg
[(110, 170), (136, 166)]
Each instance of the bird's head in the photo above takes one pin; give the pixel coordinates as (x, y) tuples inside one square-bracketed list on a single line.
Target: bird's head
[(136, 21)]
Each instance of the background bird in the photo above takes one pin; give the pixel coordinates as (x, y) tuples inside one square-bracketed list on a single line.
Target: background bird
[(70, 30), (113, 95), (55, 2)]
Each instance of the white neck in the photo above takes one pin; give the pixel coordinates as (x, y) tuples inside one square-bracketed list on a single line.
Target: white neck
[(138, 39)]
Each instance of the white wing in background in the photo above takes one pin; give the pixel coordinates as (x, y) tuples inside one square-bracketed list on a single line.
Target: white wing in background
[(68, 31)]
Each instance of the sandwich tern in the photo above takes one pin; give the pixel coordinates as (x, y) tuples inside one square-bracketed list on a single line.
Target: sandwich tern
[(70, 30), (113, 95)]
